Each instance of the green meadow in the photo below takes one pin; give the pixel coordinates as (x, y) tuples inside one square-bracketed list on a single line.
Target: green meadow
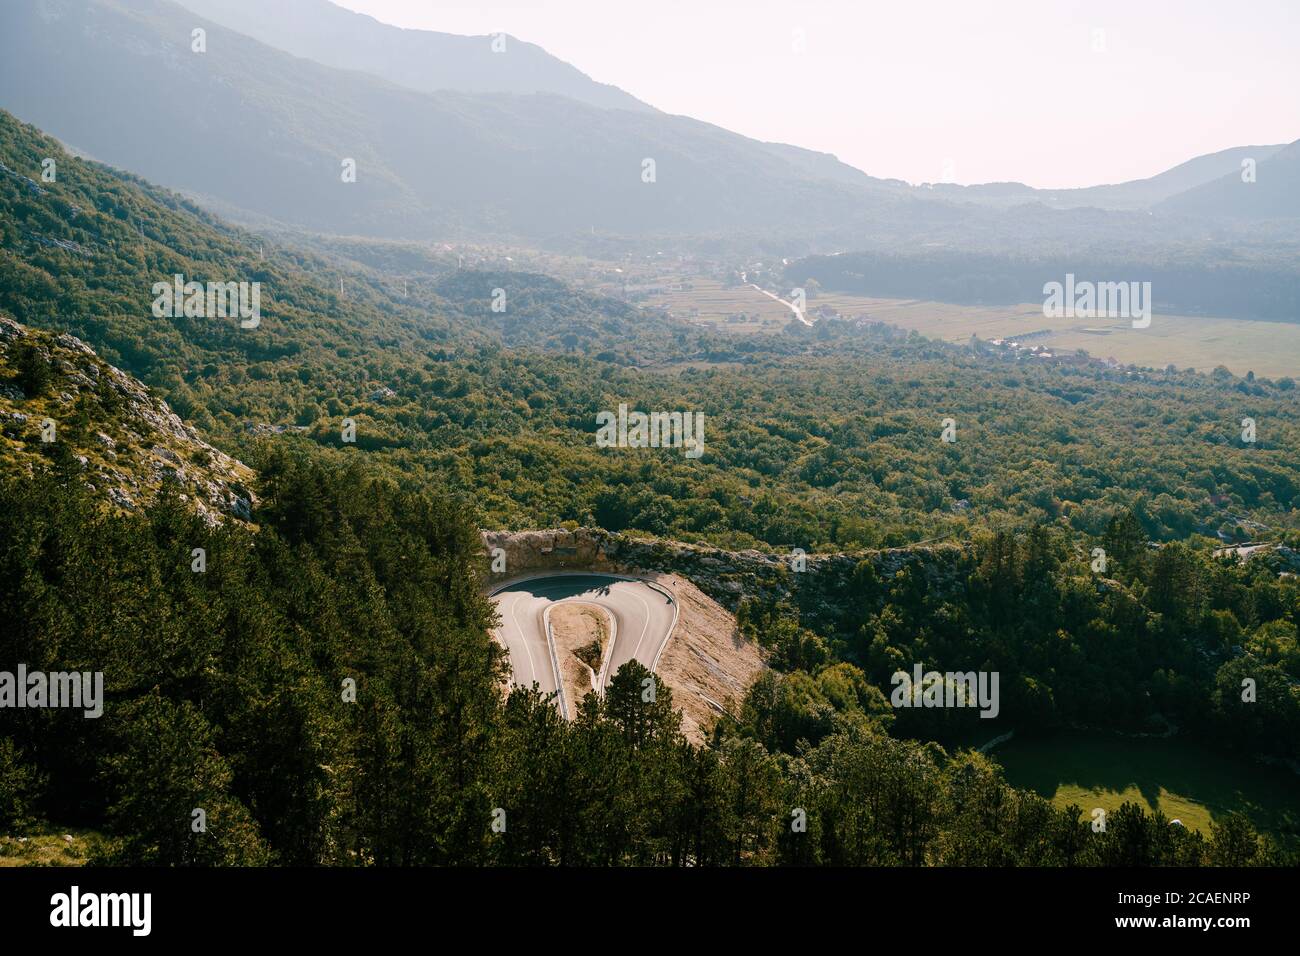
[(1182, 780)]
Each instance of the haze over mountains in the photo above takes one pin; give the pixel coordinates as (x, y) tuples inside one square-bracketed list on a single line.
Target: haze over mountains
[(526, 148), (417, 59), (427, 61), (266, 132), (1274, 195), (1136, 194)]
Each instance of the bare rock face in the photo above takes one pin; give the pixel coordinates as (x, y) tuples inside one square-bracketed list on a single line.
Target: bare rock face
[(1280, 560), (556, 550), (726, 576), (134, 446)]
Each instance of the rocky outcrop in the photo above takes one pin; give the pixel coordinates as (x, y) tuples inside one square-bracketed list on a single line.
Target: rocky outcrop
[(726, 576), (1282, 560), (128, 444)]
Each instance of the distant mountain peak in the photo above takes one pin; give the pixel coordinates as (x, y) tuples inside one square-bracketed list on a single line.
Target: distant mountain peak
[(423, 60), (1163, 187)]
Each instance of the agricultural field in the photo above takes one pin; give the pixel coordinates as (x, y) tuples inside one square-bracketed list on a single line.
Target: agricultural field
[(716, 305), (1270, 349)]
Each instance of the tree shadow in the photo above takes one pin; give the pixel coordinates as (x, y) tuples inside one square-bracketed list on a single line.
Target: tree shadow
[(1103, 762), (561, 587)]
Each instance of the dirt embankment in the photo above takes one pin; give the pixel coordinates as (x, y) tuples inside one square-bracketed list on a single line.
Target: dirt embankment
[(581, 633), (707, 663)]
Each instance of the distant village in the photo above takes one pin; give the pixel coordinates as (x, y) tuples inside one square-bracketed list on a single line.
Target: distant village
[(1019, 349)]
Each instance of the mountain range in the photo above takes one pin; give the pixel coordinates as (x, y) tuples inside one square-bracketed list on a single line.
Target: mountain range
[(267, 132), (428, 61), (417, 59), (1134, 194), (451, 140)]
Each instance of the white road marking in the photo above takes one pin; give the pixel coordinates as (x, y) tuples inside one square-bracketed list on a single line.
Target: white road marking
[(514, 616), (644, 627)]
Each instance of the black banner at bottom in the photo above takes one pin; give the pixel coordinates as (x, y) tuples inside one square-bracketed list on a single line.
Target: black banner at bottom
[(335, 905)]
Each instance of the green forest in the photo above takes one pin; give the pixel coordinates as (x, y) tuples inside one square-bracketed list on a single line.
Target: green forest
[(1165, 637), (228, 695), (1262, 287)]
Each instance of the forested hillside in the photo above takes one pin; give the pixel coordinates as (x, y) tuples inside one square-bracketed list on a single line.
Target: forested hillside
[(1158, 641), (822, 439), (1207, 281), (229, 694)]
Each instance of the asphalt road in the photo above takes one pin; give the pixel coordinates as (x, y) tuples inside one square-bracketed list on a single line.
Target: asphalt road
[(643, 615)]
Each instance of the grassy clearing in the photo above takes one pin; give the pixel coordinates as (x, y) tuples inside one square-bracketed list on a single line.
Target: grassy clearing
[(49, 847), (1180, 779)]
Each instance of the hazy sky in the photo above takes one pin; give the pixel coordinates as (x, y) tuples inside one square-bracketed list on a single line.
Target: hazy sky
[(979, 91)]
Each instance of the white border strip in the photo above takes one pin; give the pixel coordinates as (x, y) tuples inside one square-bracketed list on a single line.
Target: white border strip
[(555, 661)]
